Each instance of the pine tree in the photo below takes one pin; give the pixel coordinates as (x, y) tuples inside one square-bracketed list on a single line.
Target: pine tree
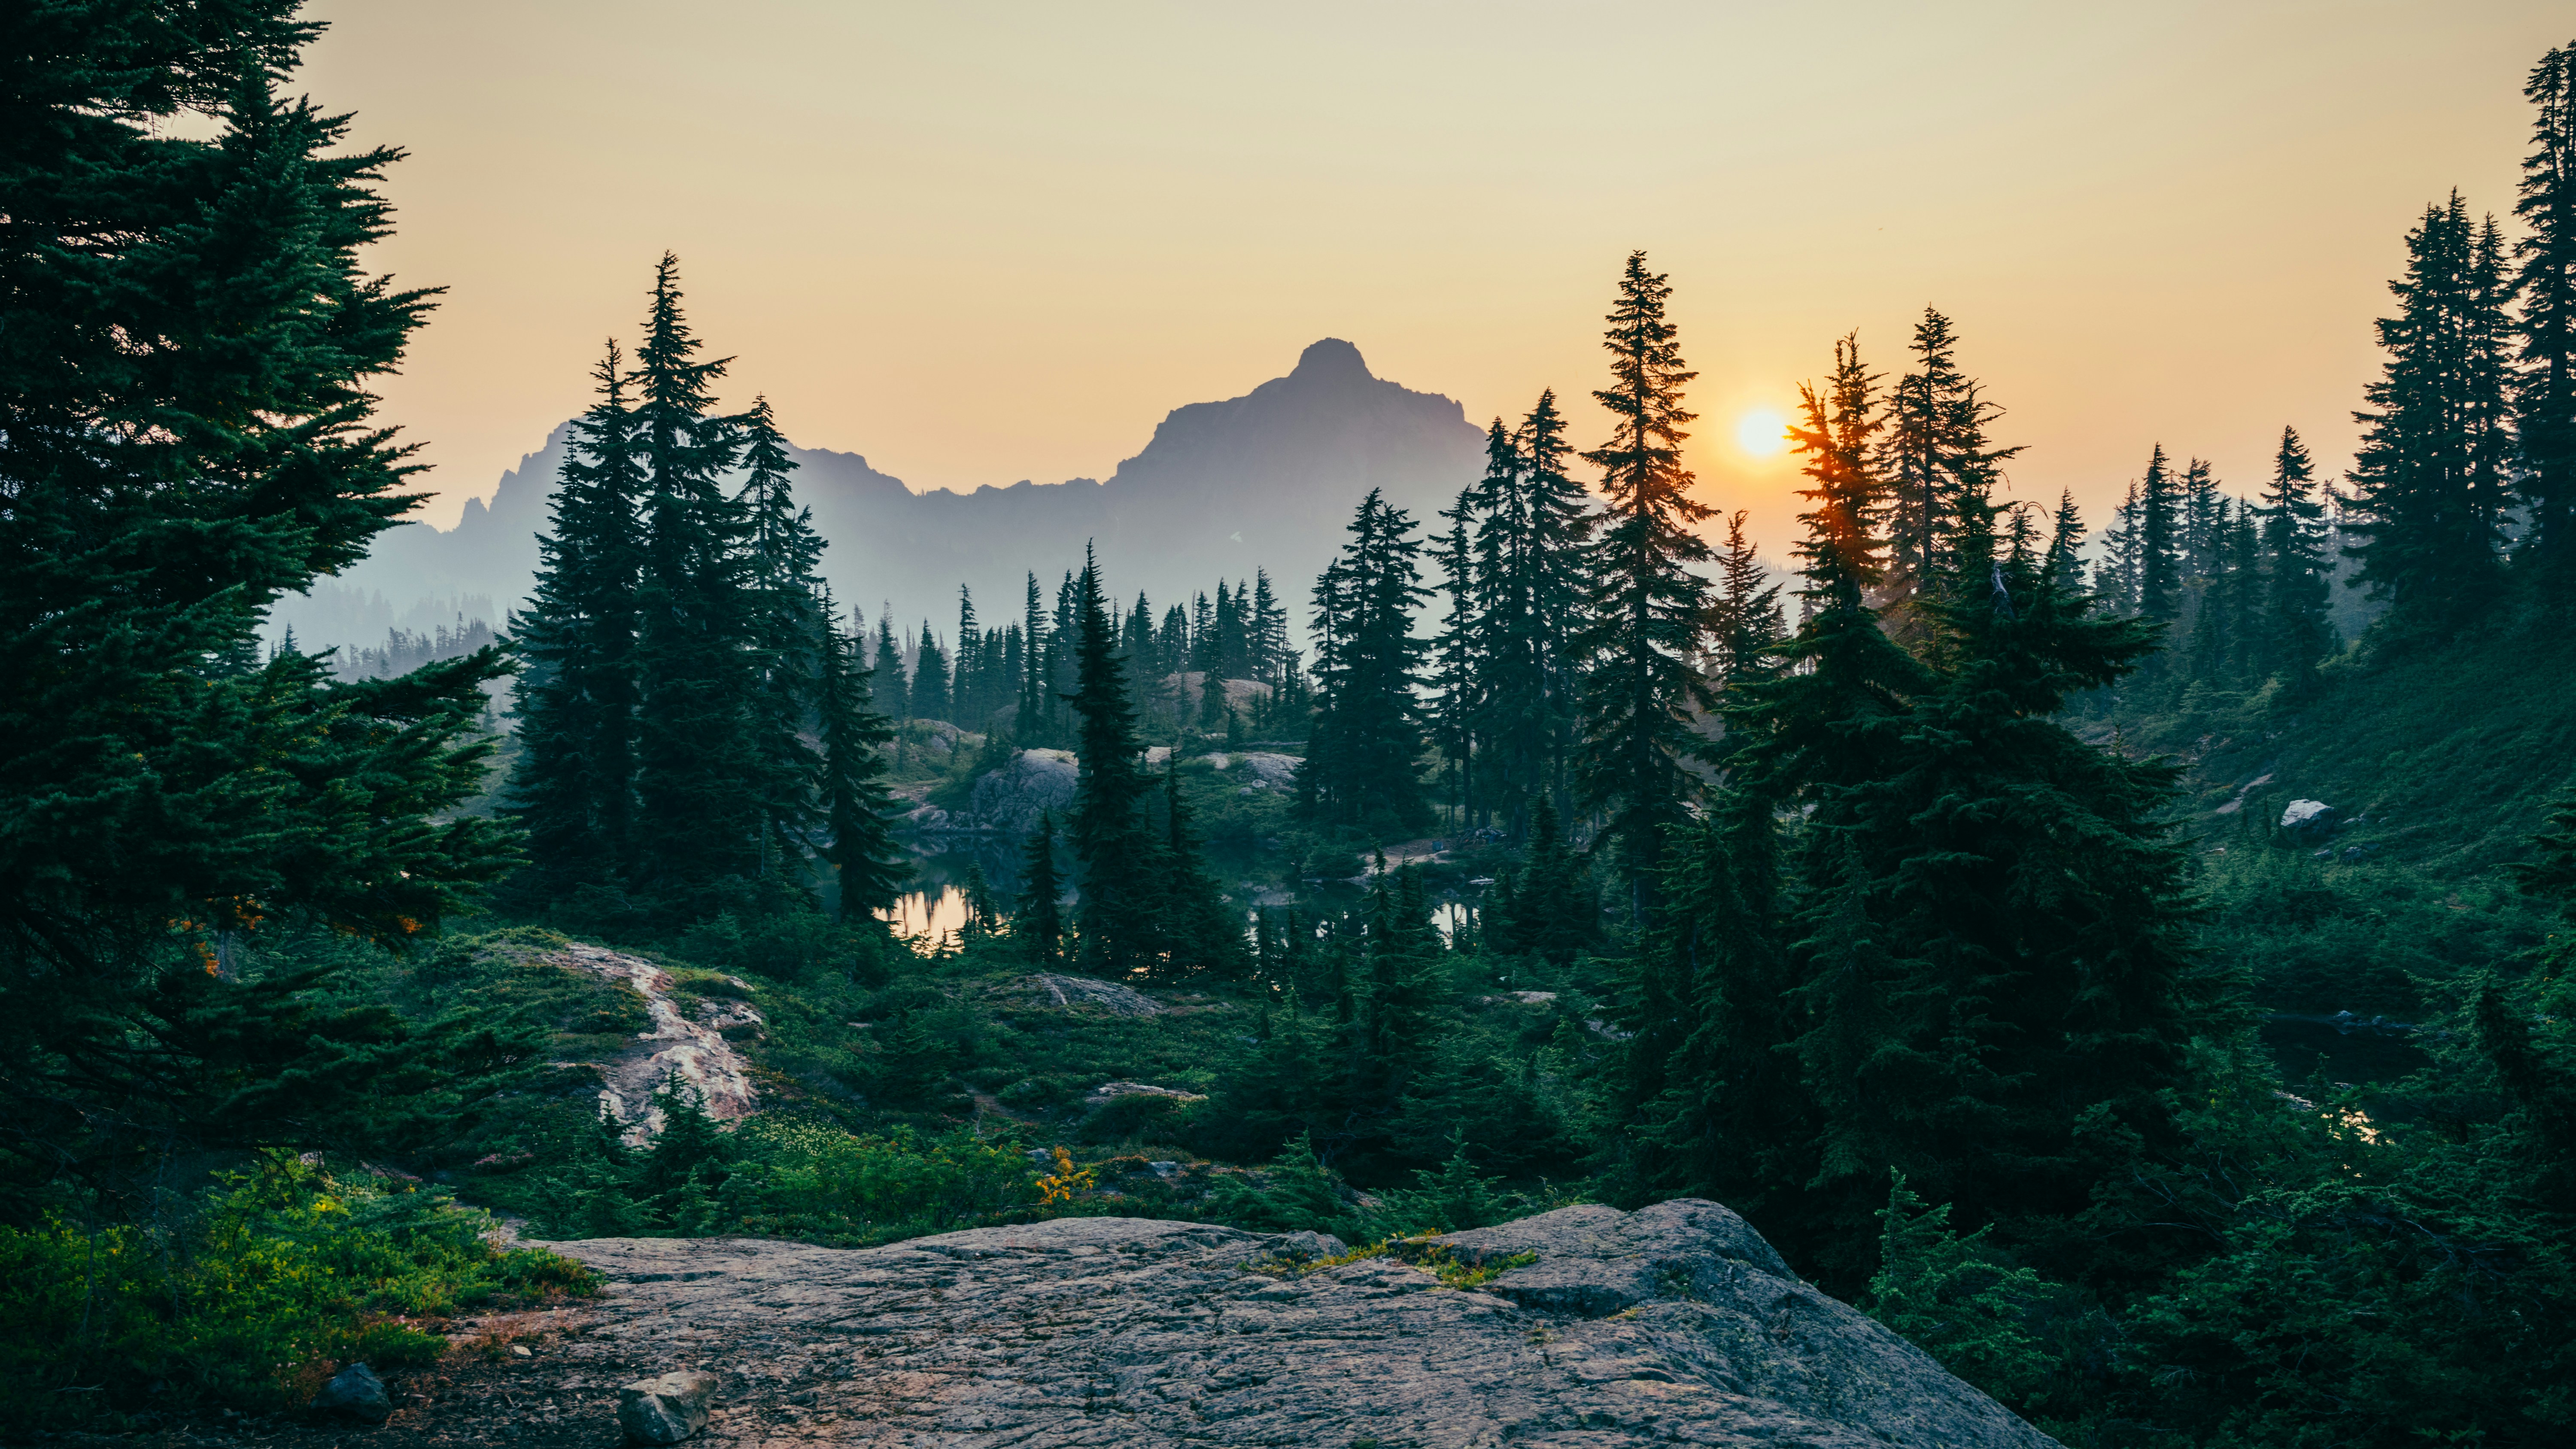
[(1454, 663), (573, 787), (787, 625), (1646, 606), (698, 790), (931, 698), (890, 687), (2297, 572), (2431, 475), (1035, 724), (2117, 577), (851, 793), (1267, 631), (1745, 619), (1551, 909), (1933, 453), (965, 689), (188, 434), (1195, 931), (1366, 742), (1039, 923), (2545, 389), (2159, 553), (1531, 555), (1110, 838), (1985, 919)]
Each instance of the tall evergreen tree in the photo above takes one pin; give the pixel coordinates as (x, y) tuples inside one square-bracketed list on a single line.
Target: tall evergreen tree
[(2159, 528), (1646, 606), (697, 770), (851, 794), (2431, 477), (787, 624), (1039, 924), (1035, 724), (573, 787), (1111, 839), (931, 698), (891, 686), (2545, 389), (187, 434), (1934, 455), (1453, 653), (1267, 630), (1745, 620), (1366, 742), (965, 688), (2297, 573)]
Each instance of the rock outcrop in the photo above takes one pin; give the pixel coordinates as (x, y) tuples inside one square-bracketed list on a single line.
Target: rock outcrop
[(1592, 1327), (694, 1048)]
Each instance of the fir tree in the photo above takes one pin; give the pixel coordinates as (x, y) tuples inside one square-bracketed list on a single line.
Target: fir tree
[(1039, 924), (1646, 606), (1035, 724), (890, 686), (1110, 838), (698, 790), (189, 434), (1934, 456), (2158, 526), (1531, 554), (2545, 389), (1745, 619), (1366, 739), (2430, 477), (1197, 933), (2297, 573), (931, 698), (852, 796), (1550, 908), (1267, 630), (965, 690), (786, 632), (1454, 662), (573, 787)]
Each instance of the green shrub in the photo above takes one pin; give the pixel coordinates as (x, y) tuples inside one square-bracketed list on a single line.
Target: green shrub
[(805, 1179), (273, 1283)]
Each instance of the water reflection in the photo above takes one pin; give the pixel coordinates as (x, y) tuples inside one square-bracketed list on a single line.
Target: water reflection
[(933, 912)]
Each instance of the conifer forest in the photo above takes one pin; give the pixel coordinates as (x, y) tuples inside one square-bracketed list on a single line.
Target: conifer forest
[(2125, 956)]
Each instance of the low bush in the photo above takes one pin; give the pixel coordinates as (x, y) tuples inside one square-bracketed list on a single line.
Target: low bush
[(254, 1298)]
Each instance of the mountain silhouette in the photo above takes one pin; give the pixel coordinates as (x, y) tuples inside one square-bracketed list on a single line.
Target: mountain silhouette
[(1266, 480)]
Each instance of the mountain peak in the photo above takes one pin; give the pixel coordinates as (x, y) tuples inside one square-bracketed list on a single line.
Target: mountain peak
[(1331, 357)]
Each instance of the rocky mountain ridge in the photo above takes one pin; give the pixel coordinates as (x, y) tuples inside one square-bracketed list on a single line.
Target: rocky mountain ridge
[(1265, 480)]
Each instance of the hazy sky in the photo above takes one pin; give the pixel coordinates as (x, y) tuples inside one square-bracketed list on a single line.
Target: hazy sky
[(980, 243)]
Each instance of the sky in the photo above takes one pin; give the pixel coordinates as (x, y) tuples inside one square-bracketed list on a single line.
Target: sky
[(986, 242)]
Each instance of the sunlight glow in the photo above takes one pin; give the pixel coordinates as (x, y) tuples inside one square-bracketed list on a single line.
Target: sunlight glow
[(1762, 432)]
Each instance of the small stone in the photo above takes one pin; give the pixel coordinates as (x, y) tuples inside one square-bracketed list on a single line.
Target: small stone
[(521, 1350), (1299, 1247), (665, 1410), (355, 1393)]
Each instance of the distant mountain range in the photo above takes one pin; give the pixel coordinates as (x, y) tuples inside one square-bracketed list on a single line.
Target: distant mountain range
[(1266, 480)]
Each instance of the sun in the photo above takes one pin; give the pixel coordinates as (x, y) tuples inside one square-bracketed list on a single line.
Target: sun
[(1762, 432)]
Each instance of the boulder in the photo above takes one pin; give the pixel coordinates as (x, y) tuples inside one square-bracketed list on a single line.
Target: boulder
[(355, 1393), (1108, 1092), (665, 1410), (1265, 770), (1009, 800), (2306, 815), (1117, 1000), (1676, 1324)]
